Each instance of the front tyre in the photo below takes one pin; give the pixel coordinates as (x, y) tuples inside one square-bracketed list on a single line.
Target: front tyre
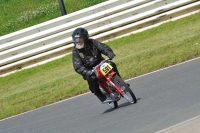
[(128, 93), (129, 96)]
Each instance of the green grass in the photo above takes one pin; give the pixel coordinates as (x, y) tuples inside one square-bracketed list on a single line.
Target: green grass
[(19, 14), (137, 54)]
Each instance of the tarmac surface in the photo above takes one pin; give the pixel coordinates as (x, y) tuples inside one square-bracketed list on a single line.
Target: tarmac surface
[(168, 102), (190, 126)]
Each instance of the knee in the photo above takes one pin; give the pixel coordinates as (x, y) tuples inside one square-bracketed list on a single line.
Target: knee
[(112, 64)]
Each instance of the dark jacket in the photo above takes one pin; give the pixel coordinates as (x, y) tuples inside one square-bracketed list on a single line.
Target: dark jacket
[(86, 58)]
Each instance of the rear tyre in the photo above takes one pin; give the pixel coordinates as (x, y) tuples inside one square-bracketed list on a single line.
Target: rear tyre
[(113, 105), (128, 93)]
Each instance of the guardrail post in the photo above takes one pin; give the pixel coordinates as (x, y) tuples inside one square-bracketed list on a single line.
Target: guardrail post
[(62, 7)]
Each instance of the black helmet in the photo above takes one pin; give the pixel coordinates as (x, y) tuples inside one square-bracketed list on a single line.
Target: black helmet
[(80, 33)]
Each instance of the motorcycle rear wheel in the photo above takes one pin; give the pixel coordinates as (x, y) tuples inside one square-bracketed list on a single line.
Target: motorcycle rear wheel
[(128, 93), (113, 105)]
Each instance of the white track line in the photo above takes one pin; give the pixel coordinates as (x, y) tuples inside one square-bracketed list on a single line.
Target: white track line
[(89, 92), (164, 68), (177, 125), (45, 106)]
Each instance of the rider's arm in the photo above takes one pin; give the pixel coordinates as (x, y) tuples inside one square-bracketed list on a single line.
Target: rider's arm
[(103, 48), (77, 63)]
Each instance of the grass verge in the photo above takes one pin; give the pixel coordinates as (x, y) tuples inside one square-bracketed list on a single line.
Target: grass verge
[(137, 54), (19, 14)]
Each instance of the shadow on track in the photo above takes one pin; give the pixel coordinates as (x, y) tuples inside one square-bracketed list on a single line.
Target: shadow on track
[(120, 106)]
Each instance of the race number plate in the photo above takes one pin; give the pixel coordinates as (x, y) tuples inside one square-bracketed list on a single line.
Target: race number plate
[(105, 68)]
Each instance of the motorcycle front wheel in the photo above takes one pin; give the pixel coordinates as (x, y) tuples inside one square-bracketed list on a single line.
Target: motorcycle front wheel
[(128, 93)]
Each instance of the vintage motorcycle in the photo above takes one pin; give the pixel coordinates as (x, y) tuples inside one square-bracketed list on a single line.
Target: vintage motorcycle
[(112, 85)]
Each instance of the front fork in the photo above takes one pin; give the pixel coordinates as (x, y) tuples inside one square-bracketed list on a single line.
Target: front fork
[(116, 87)]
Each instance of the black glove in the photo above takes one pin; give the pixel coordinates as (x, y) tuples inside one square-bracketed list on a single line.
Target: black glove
[(111, 55), (89, 75)]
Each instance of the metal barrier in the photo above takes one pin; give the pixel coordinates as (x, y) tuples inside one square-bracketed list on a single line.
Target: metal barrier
[(108, 20)]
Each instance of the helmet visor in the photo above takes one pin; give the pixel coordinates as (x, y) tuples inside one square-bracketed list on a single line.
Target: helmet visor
[(79, 41)]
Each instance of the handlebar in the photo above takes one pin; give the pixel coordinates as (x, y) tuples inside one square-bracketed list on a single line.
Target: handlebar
[(106, 59)]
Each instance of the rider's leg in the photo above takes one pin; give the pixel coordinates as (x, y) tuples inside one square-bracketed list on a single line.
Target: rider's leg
[(94, 87), (115, 68)]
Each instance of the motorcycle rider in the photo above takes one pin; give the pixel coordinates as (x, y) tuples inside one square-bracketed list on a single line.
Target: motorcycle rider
[(86, 54)]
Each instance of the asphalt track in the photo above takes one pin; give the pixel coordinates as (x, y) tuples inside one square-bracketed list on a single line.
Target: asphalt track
[(165, 98)]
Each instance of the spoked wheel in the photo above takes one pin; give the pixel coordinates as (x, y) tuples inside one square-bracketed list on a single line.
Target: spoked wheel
[(113, 105), (128, 93), (130, 96)]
